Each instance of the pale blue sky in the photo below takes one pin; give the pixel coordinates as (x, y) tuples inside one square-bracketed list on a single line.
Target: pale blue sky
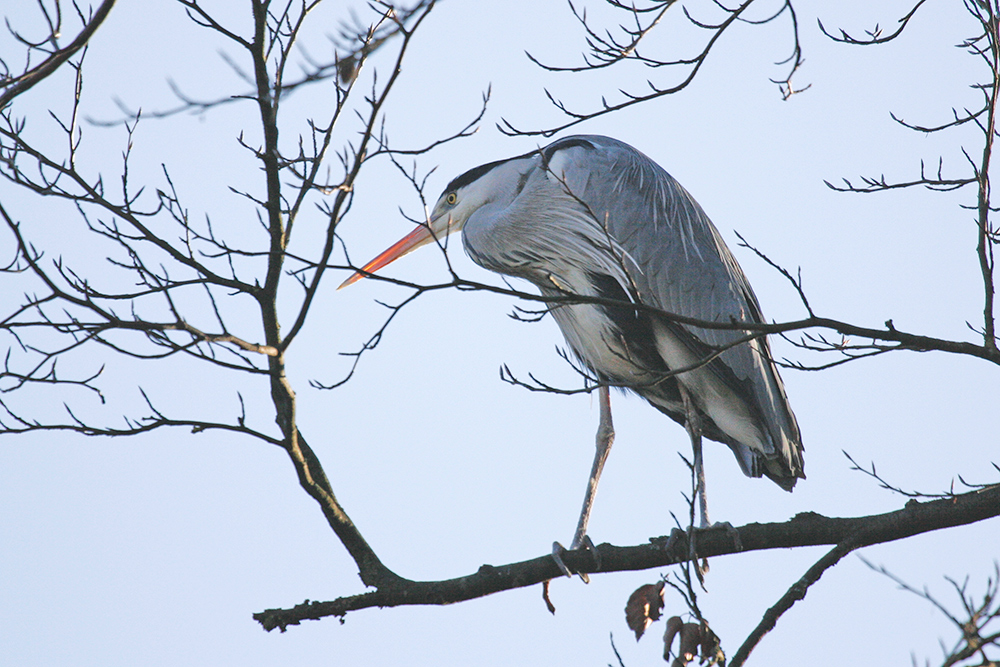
[(157, 550)]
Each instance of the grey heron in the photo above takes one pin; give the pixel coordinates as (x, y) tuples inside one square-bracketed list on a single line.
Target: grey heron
[(591, 216)]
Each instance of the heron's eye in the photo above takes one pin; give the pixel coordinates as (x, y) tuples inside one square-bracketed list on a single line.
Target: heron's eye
[(451, 199)]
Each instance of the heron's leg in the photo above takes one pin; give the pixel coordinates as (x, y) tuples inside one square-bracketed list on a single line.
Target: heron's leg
[(605, 437), (692, 423)]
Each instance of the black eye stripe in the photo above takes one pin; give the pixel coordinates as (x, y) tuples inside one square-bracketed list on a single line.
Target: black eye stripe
[(552, 149), (476, 173), (472, 175)]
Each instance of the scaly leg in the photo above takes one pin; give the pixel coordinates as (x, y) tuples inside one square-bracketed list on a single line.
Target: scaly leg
[(605, 437), (692, 423)]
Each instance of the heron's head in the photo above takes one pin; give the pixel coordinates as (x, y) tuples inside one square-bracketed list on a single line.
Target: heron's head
[(494, 182)]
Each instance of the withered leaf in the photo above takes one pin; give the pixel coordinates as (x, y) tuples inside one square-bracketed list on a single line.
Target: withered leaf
[(674, 625), (693, 636), (643, 607), (690, 641), (711, 647)]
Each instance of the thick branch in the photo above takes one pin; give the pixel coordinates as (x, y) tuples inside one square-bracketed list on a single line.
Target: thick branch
[(797, 592), (803, 530), (310, 472)]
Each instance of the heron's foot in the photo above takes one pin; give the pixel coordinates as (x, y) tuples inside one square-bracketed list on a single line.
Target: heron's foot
[(721, 525), (731, 531), (701, 566), (675, 536), (557, 551), (586, 545)]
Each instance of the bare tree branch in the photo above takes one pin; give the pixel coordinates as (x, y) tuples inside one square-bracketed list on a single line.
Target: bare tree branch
[(20, 84), (985, 46), (973, 642), (803, 530), (607, 50), (875, 35), (179, 285)]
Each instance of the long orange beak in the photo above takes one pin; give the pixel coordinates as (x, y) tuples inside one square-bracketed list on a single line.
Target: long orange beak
[(420, 236)]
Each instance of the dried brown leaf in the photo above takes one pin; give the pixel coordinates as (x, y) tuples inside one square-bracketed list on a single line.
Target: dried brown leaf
[(674, 625), (643, 607), (690, 641), (711, 647), (693, 636)]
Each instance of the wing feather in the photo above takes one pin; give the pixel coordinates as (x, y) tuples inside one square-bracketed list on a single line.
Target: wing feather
[(679, 263)]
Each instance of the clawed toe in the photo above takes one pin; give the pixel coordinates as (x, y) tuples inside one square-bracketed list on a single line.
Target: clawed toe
[(730, 530), (557, 551), (586, 545)]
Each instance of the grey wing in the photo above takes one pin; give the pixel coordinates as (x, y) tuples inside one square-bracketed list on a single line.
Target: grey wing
[(679, 263)]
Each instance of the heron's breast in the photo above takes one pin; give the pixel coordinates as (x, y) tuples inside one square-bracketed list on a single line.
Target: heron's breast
[(609, 340), (596, 341)]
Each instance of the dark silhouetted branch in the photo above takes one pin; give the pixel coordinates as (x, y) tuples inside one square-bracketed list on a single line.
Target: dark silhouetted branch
[(803, 530)]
